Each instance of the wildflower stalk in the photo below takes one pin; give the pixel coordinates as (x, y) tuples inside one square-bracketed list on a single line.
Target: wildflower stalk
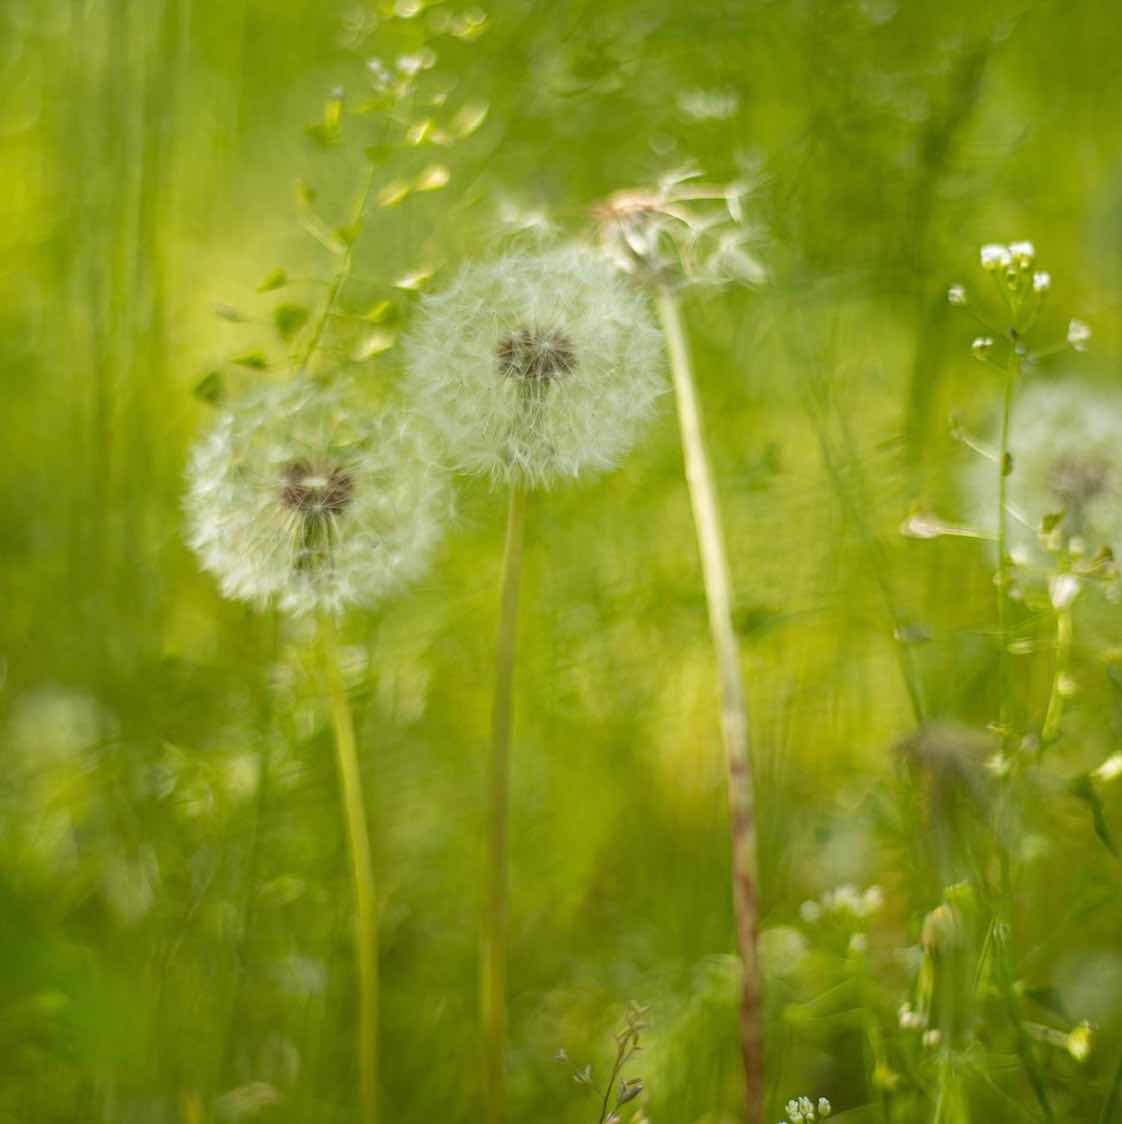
[(358, 838), (734, 713), (343, 273), (1113, 1097), (1055, 711), (1004, 467), (492, 991)]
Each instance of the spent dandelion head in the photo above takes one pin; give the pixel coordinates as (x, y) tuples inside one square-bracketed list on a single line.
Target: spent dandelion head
[(536, 366), (681, 231), (299, 495)]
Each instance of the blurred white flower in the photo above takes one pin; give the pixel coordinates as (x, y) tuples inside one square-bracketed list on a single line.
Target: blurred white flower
[(1041, 281), (1022, 253), (537, 366), (301, 495), (1078, 334), (995, 256), (956, 295), (1066, 445)]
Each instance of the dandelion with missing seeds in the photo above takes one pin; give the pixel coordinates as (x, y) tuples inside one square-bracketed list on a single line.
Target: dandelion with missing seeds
[(534, 368), (300, 497)]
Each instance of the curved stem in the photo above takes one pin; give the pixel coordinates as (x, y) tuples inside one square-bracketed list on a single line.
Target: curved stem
[(358, 837), (492, 983), (734, 710)]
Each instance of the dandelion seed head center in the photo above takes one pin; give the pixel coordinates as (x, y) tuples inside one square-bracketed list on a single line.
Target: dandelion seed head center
[(311, 489), (536, 356), (1078, 479)]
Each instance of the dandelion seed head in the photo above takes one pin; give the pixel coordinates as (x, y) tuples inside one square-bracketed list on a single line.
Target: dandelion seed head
[(537, 366), (1066, 443), (301, 495)]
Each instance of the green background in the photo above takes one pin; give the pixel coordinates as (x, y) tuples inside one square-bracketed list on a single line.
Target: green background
[(171, 930)]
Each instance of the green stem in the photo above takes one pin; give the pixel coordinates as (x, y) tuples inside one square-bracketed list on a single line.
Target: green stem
[(492, 984), (342, 273), (734, 710), (1055, 712), (1110, 1108), (366, 905), (1004, 467)]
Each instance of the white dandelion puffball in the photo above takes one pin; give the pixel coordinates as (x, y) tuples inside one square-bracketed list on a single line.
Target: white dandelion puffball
[(301, 495), (1065, 438), (537, 366)]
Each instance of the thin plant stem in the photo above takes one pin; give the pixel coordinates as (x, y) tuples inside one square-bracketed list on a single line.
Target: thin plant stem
[(358, 838), (1004, 467), (342, 274), (492, 984), (734, 710), (1113, 1097), (1055, 712)]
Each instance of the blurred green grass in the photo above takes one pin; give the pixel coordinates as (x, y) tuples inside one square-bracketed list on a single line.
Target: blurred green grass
[(168, 933)]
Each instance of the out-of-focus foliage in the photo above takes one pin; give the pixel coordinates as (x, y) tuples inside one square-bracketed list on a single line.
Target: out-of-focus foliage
[(174, 896)]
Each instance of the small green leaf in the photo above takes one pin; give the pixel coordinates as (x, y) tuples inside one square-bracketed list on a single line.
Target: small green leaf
[(276, 279), (288, 319), (1007, 465), (1083, 788), (348, 234), (1051, 521), (255, 360), (211, 388)]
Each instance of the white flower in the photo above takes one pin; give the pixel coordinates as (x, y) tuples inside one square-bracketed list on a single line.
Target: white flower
[(956, 295), (995, 256), (1078, 334), (982, 346), (1066, 445), (1022, 253), (1041, 281), (301, 495), (1063, 590), (536, 367)]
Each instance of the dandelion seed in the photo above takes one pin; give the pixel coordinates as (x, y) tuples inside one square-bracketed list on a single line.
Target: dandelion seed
[(296, 495), (536, 367)]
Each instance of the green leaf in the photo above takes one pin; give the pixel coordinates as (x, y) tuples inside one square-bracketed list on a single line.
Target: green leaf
[(1083, 788), (275, 279), (211, 388), (288, 319), (255, 360), (1051, 521)]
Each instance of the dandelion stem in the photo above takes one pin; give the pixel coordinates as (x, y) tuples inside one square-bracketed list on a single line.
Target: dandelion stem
[(1055, 712), (1004, 467), (358, 837), (492, 991), (734, 711)]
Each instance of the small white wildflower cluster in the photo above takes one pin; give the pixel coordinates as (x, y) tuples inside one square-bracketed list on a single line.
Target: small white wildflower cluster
[(845, 901), (536, 367), (301, 495), (1022, 289), (681, 231), (803, 1110)]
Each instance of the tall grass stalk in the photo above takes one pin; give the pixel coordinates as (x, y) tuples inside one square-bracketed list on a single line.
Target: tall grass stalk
[(492, 984), (734, 710), (362, 867)]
